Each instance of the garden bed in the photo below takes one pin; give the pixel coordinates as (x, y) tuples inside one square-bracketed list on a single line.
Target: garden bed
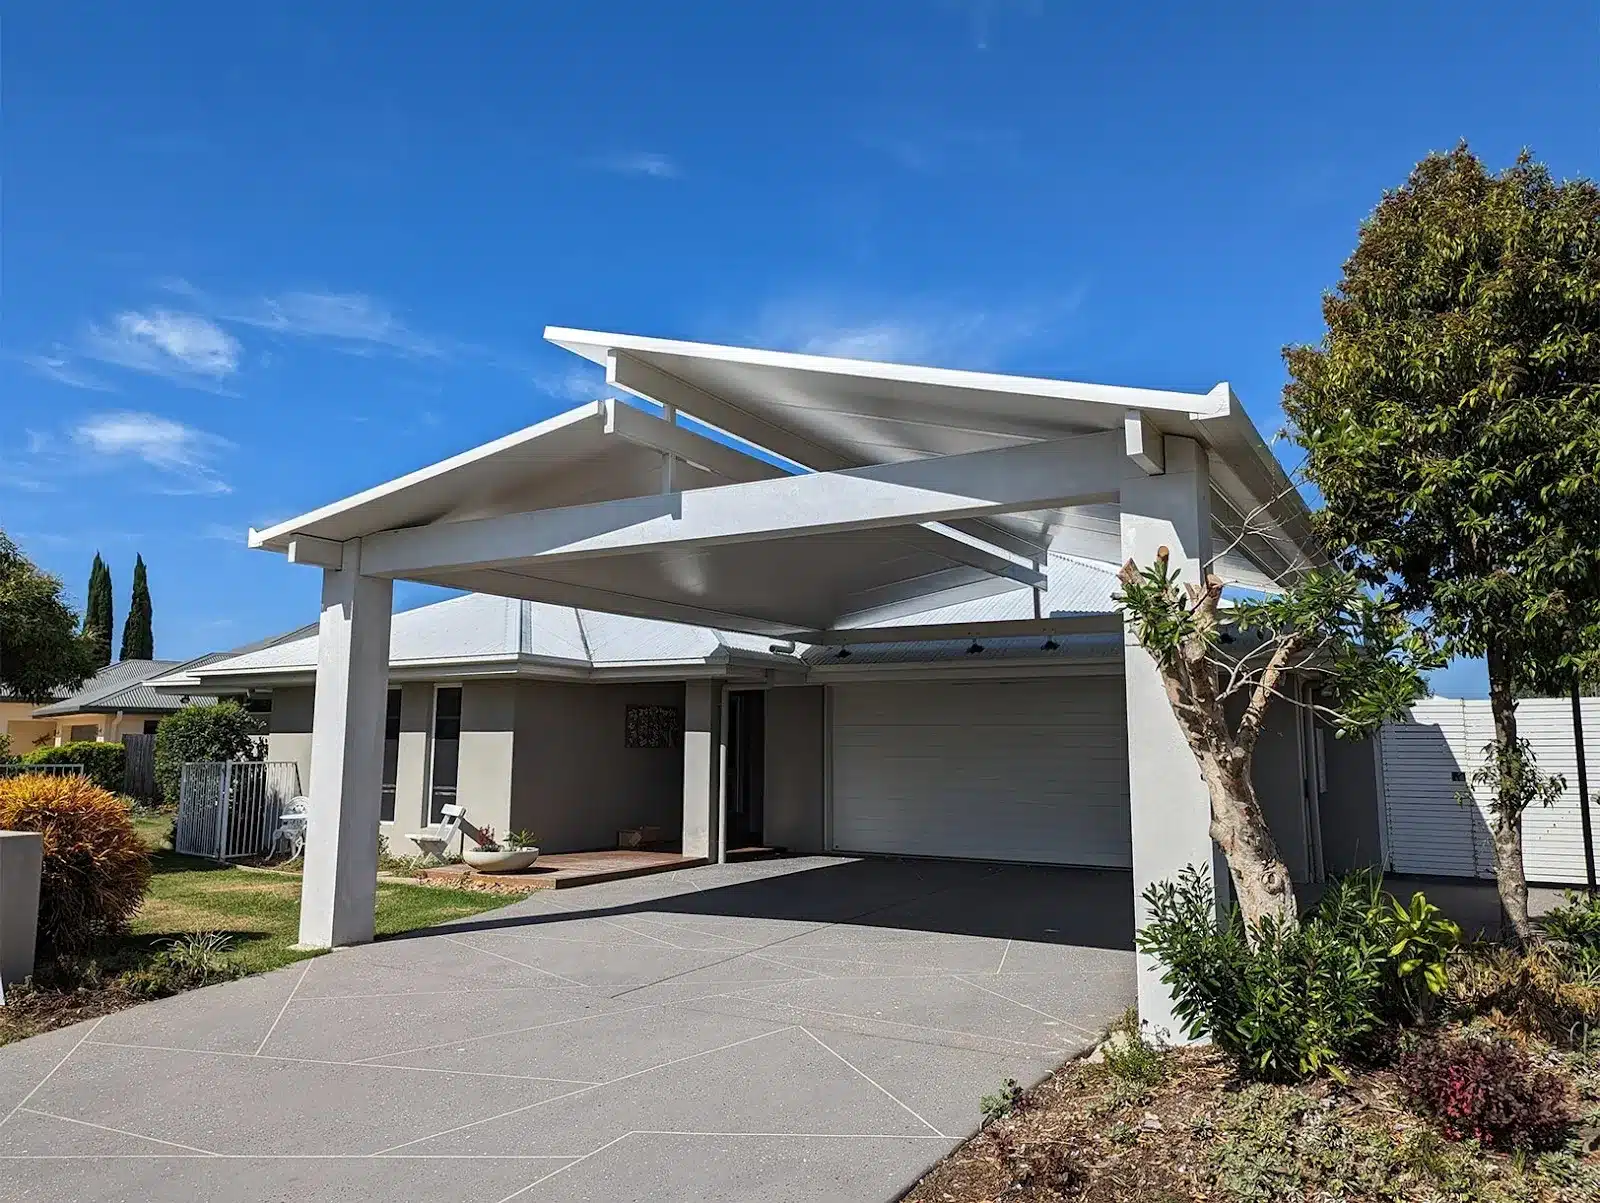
[(1183, 1127)]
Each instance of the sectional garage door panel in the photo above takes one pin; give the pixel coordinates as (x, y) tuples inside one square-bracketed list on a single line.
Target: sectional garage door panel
[(1032, 770)]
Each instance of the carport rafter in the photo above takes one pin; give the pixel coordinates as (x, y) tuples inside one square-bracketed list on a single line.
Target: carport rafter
[(1078, 470)]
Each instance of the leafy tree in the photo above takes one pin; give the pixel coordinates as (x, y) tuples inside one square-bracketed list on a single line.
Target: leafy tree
[(40, 648), (1223, 666), (97, 615), (1451, 420), (223, 731), (138, 635)]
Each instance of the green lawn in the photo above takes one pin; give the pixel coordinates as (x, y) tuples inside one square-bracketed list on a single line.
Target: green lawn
[(258, 910)]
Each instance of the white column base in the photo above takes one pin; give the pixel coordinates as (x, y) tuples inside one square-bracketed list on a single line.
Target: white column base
[(1171, 808), (338, 890)]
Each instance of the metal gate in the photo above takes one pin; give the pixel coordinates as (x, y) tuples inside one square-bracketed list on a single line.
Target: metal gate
[(228, 810)]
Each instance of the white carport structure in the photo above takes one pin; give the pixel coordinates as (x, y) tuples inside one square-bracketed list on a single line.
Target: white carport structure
[(903, 489)]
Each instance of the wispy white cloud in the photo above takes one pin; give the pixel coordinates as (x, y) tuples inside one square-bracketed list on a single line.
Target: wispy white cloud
[(932, 150), (184, 347), (578, 382), (643, 162), (184, 456), (352, 321), (936, 333), (61, 368), (221, 532)]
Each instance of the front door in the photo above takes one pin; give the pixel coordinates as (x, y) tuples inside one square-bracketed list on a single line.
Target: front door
[(746, 766)]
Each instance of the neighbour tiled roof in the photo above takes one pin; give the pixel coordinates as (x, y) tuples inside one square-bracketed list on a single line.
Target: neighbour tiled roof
[(121, 686)]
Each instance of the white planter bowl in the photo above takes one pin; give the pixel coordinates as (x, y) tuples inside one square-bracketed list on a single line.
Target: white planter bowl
[(508, 861)]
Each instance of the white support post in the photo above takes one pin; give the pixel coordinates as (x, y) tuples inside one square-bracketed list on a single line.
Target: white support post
[(1171, 809), (703, 753), (339, 887)]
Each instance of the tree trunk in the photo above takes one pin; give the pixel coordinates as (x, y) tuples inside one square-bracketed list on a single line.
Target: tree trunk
[(1509, 874), (1261, 880)]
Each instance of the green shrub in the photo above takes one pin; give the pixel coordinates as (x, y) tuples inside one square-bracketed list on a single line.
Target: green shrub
[(1292, 1002), (1420, 940), (223, 731), (96, 867), (1134, 1063), (103, 762), (196, 959), (1574, 929), (1002, 1102)]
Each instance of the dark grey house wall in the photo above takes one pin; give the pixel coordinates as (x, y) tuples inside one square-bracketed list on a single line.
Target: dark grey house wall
[(575, 782), (1351, 809), (793, 798)]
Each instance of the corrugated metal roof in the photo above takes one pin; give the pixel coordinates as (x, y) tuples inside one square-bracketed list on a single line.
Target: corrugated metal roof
[(1077, 586), (486, 630), (121, 686)]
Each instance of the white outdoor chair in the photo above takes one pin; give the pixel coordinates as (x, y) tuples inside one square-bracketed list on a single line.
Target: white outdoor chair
[(435, 841), (291, 830)]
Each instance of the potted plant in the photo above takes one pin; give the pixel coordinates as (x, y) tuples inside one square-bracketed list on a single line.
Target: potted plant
[(511, 855)]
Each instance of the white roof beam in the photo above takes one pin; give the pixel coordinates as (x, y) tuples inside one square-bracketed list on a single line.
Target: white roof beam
[(645, 380), (638, 427), (1078, 470), (588, 597), (635, 426), (1146, 444)]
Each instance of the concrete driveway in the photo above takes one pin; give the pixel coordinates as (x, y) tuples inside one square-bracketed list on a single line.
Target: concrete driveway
[(805, 1029)]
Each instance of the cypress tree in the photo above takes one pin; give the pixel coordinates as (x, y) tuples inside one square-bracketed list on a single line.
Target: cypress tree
[(138, 635), (97, 614)]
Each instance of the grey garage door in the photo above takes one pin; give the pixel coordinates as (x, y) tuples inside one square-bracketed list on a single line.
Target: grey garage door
[(1033, 770)]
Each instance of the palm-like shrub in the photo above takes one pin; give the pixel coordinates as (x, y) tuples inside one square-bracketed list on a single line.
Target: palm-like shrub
[(96, 867)]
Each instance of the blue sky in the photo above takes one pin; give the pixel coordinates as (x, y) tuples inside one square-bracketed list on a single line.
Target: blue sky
[(258, 257)]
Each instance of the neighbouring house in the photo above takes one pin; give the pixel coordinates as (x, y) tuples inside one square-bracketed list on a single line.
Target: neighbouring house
[(116, 701), (919, 566)]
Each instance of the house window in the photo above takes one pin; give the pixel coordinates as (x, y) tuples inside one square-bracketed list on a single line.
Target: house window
[(652, 726), (150, 725), (391, 754), (75, 734), (446, 750)]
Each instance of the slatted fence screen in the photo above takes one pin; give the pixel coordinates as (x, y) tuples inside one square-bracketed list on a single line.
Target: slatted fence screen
[(1439, 821), (139, 767)]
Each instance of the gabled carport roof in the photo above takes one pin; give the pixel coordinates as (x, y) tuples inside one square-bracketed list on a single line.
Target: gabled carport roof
[(911, 488), (829, 413)]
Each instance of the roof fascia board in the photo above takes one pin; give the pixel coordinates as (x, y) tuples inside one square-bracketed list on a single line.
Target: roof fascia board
[(947, 670), (994, 628), (276, 537), (598, 346)]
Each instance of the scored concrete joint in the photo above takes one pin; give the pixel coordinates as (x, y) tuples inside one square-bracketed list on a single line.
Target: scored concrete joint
[(21, 864)]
